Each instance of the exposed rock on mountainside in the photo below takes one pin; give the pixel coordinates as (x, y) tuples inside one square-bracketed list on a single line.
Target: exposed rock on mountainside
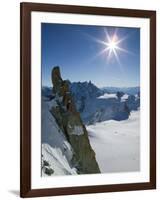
[(66, 107), (95, 105), (70, 123)]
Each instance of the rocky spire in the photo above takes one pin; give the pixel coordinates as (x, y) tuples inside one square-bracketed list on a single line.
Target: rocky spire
[(56, 78), (70, 122)]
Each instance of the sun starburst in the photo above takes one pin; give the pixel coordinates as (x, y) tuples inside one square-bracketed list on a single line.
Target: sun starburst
[(112, 45)]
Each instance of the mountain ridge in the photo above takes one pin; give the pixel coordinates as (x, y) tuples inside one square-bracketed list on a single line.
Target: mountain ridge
[(96, 105), (74, 154), (128, 90)]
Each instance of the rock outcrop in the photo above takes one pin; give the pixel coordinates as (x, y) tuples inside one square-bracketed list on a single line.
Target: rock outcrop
[(70, 123)]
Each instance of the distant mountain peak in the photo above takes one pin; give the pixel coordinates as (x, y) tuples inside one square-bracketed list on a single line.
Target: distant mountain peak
[(127, 90)]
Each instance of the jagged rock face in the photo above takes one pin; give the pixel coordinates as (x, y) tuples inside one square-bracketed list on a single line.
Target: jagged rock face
[(71, 124), (95, 105)]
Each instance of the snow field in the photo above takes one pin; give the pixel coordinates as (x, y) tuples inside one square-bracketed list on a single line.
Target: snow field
[(117, 144)]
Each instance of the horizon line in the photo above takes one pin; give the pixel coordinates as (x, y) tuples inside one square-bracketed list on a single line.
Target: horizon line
[(100, 87)]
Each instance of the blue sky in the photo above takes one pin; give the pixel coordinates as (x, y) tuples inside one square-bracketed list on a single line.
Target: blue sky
[(76, 49)]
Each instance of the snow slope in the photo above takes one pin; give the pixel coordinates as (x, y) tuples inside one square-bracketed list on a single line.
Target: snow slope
[(107, 96), (56, 160), (56, 150), (124, 97), (116, 144)]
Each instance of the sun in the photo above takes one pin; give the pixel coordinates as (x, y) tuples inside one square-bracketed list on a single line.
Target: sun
[(112, 46), (112, 43)]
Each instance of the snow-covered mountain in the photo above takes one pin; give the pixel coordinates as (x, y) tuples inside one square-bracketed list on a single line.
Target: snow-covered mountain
[(77, 114), (65, 143), (57, 152), (127, 90), (96, 105), (80, 121)]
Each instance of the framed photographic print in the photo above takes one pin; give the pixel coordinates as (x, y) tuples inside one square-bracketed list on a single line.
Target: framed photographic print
[(88, 99)]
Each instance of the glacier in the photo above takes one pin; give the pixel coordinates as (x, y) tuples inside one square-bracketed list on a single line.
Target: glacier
[(117, 144)]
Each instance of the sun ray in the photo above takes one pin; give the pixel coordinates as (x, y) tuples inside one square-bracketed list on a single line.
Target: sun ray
[(102, 52), (124, 50), (117, 57), (111, 44)]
